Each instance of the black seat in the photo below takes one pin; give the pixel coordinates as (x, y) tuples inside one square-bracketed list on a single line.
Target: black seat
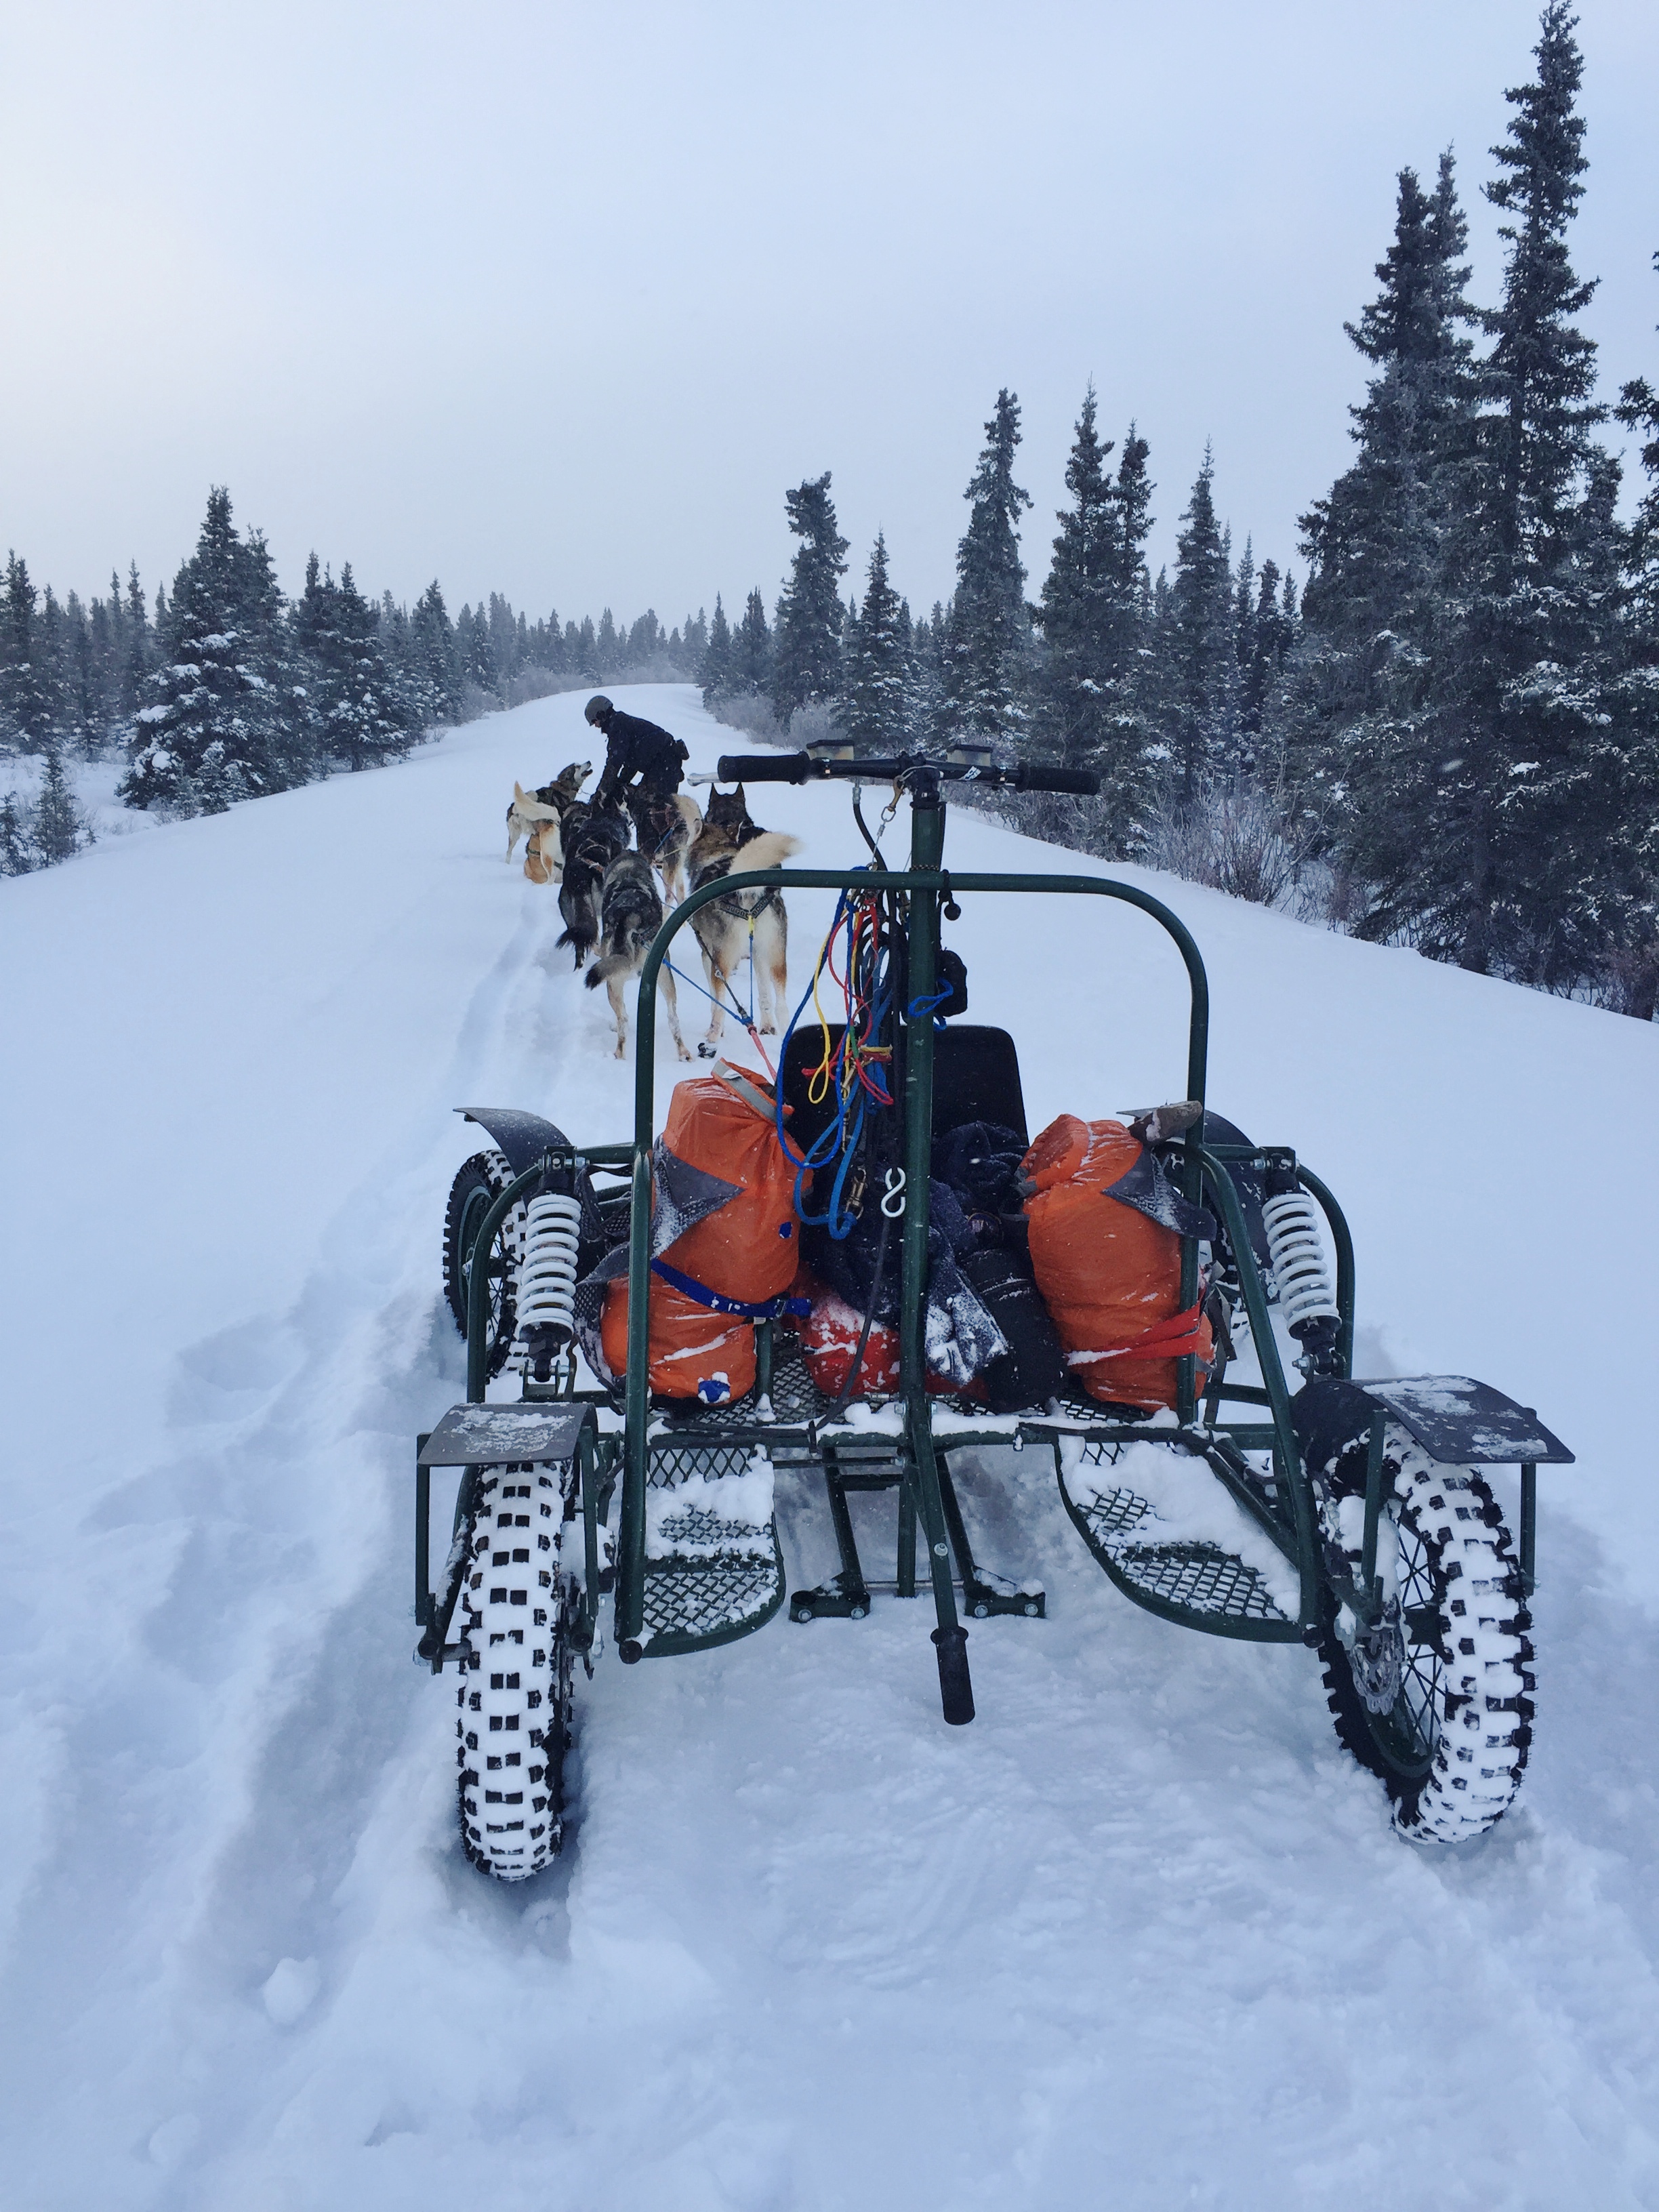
[(976, 1078)]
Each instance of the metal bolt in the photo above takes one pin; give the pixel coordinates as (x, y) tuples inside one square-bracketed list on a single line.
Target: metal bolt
[(981, 1613), (1030, 1613), (857, 1611), (941, 1551)]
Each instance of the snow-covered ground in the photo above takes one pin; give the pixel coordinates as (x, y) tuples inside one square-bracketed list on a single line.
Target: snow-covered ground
[(1140, 1937), (93, 783)]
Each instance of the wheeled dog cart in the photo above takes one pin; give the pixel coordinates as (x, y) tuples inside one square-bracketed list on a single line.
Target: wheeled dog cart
[(1351, 1516)]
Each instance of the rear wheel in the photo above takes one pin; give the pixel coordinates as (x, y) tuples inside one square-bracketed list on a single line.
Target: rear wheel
[(513, 1725), (1438, 1701), (479, 1183)]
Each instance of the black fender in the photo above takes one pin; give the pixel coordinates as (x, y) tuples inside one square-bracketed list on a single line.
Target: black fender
[(522, 1138)]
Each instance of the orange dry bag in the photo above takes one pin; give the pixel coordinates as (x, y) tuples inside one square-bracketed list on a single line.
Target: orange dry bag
[(1108, 1270), (734, 1263)]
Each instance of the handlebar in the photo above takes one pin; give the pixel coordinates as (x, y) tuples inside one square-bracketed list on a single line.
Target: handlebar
[(805, 768)]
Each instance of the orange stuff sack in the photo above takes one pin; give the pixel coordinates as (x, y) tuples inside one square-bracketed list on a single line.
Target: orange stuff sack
[(1109, 1275), (745, 1253)]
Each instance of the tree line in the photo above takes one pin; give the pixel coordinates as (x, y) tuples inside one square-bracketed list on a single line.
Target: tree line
[(224, 688), (1449, 738)]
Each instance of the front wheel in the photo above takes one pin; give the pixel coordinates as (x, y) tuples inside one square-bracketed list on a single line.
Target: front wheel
[(1438, 1700), (517, 1668), (478, 1183)]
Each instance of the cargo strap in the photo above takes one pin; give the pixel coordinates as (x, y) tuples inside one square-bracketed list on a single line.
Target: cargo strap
[(1165, 1340), (745, 1309)]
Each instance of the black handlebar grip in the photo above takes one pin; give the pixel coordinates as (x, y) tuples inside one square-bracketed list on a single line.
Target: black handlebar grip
[(1050, 775), (763, 768)]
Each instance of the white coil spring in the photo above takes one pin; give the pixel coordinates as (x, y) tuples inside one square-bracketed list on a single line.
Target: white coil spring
[(1298, 1257), (547, 1273)]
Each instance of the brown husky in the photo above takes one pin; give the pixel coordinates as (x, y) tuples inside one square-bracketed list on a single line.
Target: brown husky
[(752, 921)]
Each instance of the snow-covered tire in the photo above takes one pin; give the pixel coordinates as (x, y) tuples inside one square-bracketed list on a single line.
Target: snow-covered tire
[(513, 1726), (1452, 1748), (478, 1182)]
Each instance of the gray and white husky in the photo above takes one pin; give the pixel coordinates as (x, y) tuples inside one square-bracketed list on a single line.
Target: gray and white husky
[(630, 915)]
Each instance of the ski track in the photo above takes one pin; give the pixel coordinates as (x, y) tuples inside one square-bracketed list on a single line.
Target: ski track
[(1141, 1935)]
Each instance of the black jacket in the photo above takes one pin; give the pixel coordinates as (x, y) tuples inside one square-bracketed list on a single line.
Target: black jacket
[(634, 747)]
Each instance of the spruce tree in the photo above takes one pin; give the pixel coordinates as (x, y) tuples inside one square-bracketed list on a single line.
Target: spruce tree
[(806, 642), (926, 711), (752, 650), (25, 693), (1200, 665), (16, 852), (438, 668), (1639, 410), (1355, 732), (990, 661), (225, 720), (1518, 729), (1072, 708), (1089, 710), (714, 671), (58, 825), (874, 713), (139, 658)]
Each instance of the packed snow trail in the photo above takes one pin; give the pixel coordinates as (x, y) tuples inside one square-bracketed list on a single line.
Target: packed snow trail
[(1140, 1935)]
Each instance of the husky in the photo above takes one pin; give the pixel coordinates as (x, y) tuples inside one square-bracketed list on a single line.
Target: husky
[(543, 856), (745, 921), (592, 837), (668, 824), (548, 803), (630, 915)]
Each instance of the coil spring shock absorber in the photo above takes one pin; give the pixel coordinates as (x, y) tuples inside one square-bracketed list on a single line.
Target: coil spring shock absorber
[(1305, 1297), (547, 1276)]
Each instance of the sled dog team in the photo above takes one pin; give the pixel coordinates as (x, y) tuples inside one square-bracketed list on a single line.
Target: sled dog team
[(608, 894)]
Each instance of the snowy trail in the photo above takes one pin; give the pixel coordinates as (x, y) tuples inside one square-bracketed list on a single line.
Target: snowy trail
[(1140, 1935)]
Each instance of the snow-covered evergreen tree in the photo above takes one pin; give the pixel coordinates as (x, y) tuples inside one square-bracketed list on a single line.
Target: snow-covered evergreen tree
[(926, 711), (438, 674), (874, 711), (225, 718), (714, 671), (1200, 666), (58, 829), (989, 670), (17, 854), (26, 703), (806, 643), (751, 666), (1519, 739), (1354, 717), (1089, 710)]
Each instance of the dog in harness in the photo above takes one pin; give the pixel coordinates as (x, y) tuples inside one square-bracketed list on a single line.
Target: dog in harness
[(630, 915), (668, 826), (594, 836), (532, 811), (753, 922)]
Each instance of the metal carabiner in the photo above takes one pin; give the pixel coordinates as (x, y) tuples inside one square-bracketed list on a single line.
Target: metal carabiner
[(892, 1204)]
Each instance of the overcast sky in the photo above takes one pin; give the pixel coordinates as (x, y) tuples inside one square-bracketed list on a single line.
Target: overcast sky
[(556, 300)]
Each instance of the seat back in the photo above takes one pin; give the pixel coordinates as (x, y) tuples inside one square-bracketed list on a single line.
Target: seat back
[(976, 1078)]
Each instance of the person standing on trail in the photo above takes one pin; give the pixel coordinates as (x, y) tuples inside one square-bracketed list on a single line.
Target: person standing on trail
[(642, 767)]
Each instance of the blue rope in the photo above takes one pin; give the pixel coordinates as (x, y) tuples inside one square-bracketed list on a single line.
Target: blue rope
[(839, 1138)]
